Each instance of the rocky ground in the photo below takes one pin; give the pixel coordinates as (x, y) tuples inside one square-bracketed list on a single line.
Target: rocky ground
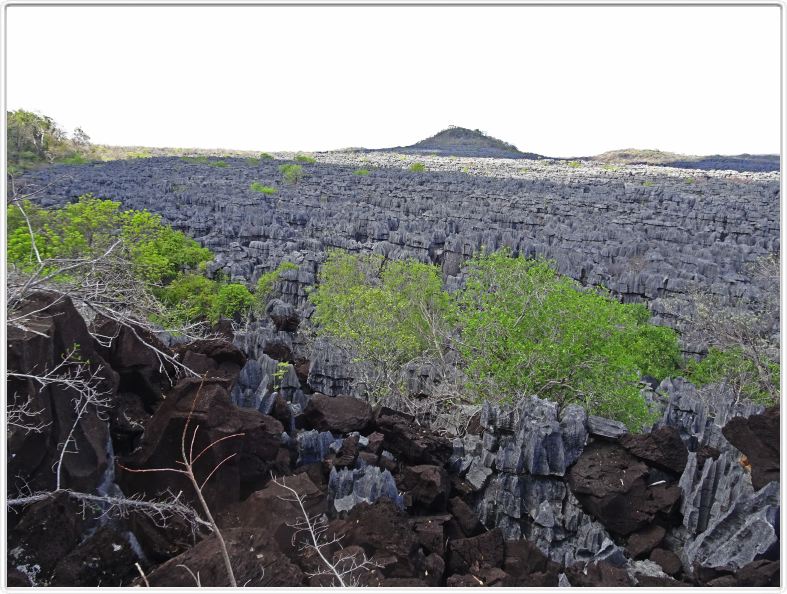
[(645, 232), (528, 496)]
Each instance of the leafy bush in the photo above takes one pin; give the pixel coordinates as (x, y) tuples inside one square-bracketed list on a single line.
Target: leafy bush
[(757, 381), (361, 172), (382, 309), (266, 156), (527, 330), (32, 139), (219, 163), (519, 327), (291, 173), (648, 184), (574, 164), (301, 158), (263, 189), (164, 260), (417, 168), (253, 161)]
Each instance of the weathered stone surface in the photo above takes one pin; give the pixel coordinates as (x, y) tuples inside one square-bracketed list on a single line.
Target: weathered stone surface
[(668, 561), (645, 540), (606, 427), (470, 555), (425, 487), (347, 488), (413, 443)]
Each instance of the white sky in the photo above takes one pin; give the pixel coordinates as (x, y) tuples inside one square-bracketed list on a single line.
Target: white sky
[(558, 81)]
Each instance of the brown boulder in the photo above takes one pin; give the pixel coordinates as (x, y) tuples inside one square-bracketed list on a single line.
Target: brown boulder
[(598, 574), (662, 448), (340, 414), (425, 487), (645, 540), (758, 438), (212, 358), (250, 439), (409, 441), (668, 560), (255, 557), (470, 555), (527, 566)]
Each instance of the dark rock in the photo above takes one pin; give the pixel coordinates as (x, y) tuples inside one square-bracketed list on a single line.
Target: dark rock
[(761, 574), (527, 566), (255, 557), (465, 516), (284, 315), (598, 574), (214, 358), (405, 439), (253, 447), (668, 561), (425, 487), (605, 427), (341, 414), (661, 447), (106, 558), (470, 555), (645, 540), (430, 532), (758, 438)]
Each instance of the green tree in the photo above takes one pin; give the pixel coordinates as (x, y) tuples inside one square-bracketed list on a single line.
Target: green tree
[(266, 283), (527, 330)]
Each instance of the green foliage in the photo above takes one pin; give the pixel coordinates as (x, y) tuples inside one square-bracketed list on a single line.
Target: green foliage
[(574, 164), (417, 168), (731, 365), (383, 309), (689, 180), (361, 172), (267, 281), (301, 158), (202, 160), (33, 139), (254, 162), (519, 327), (262, 188), (648, 184), (608, 167), (218, 163), (232, 299), (143, 154), (291, 173), (266, 156), (282, 369)]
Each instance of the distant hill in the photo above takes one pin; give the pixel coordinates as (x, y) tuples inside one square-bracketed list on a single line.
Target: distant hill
[(743, 162), (463, 142)]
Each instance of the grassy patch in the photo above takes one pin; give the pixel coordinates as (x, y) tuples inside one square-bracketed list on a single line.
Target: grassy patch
[(266, 156), (574, 164), (301, 158), (608, 167), (262, 188), (417, 168), (361, 172), (648, 184)]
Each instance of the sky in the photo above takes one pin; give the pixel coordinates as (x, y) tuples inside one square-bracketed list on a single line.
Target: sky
[(559, 81)]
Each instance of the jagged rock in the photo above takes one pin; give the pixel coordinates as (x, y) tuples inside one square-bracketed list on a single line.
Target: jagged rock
[(284, 315), (347, 488), (467, 519), (605, 427), (758, 438), (313, 446), (527, 566), (340, 414), (661, 447)]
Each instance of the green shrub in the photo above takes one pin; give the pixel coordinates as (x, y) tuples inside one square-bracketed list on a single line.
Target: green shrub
[(741, 373), (417, 168), (648, 184), (519, 327), (202, 160), (254, 162), (574, 164), (263, 189), (361, 172), (219, 163), (610, 167), (379, 309), (266, 156), (301, 158), (527, 330), (232, 299), (291, 173)]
